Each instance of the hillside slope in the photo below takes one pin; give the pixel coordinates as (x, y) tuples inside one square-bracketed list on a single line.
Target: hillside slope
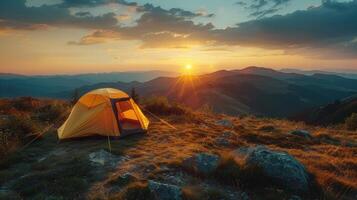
[(150, 165), (333, 113)]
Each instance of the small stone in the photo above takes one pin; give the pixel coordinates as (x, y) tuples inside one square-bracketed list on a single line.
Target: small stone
[(244, 196), (225, 122), (162, 191), (294, 197), (222, 141), (122, 180), (267, 128), (103, 157), (302, 133), (227, 134)]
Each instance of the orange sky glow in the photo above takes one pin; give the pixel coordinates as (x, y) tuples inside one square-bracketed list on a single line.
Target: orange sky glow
[(151, 35)]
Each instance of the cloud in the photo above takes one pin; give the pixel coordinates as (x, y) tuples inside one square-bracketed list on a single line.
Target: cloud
[(328, 30), (16, 15), (262, 8), (330, 26), (241, 3), (94, 3), (178, 12), (157, 29), (97, 37)]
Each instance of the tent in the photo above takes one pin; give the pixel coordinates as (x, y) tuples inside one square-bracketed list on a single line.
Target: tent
[(105, 112)]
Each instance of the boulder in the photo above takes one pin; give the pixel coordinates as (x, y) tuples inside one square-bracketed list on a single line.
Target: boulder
[(162, 191), (282, 168), (202, 163), (302, 133), (225, 122)]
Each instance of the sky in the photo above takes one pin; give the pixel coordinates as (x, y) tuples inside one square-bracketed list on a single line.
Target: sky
[(85, 36)]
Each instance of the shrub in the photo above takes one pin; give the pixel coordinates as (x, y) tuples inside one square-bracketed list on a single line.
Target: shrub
[(351, 122), (19, 126), (161, 106), (206, 108), (7, 145), (134, 95), (52, 112), (14, 131), (25, 103)]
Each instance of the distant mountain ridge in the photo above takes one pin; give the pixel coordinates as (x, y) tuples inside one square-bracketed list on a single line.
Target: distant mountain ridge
[(55, 86), (253, 90), (351, 74)]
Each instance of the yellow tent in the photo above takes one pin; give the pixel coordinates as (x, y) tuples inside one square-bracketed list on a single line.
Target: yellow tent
[(106, 112)]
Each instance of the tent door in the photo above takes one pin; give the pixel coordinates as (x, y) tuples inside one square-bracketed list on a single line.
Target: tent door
[(127, 117)]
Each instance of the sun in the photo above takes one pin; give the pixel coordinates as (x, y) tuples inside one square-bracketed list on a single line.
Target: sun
[(188, 67), (187, 70)]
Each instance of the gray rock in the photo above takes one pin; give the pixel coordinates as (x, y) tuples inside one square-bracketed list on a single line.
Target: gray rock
[(162, 191), (281, 167), (225, 122), (221, 141), (302, 133), (351, 144), (103, 157), (328, 139), (294, 197), (122, 180), (227, 134), (202, 163), (244, 196), (267, 128)]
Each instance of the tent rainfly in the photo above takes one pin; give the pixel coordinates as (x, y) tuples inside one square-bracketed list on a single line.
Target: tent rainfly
[(105, 112)]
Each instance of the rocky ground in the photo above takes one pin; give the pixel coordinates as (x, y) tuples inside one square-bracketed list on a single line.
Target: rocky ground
[(204, 157)]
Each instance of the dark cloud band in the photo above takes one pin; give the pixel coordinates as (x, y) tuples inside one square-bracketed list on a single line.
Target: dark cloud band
[(328, 30)]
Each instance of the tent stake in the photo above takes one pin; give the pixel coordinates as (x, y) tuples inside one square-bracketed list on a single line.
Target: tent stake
[(109, 146)]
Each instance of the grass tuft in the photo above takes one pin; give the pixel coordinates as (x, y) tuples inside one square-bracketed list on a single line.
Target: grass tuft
[(351, 122), (201, 193), (67, 180), (135, 191)]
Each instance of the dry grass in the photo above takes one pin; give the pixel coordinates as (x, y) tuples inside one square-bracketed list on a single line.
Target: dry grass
[(23, 118), (330, 156)]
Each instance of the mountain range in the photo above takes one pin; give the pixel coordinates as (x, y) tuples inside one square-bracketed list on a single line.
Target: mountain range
[(54, 86), (253, 90), (347, 74)]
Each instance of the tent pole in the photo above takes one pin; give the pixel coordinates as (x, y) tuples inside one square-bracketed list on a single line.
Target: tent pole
[(109, 146)]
